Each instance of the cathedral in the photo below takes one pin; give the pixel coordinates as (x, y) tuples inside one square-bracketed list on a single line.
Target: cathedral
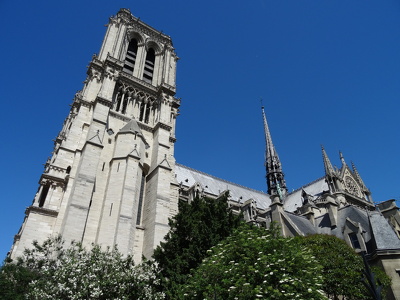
[(113, 179)]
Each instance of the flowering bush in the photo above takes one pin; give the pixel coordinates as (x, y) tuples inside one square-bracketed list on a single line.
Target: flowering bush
[(77, 273), (256, 263)]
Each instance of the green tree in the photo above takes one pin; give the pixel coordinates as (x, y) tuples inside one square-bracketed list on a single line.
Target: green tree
[(255, 263), (197, 227), (342, 267), (76, 273), (14, 280)]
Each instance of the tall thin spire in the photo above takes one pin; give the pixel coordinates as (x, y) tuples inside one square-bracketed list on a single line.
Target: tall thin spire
[(329, 171), (275, 177)]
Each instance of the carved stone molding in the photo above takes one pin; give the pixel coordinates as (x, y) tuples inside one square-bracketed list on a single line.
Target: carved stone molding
[(157, 36), (103, 101), (124, 16), (78, 96), (133, 34), (167, 88), (137, 94), (47, 179), (136, 82), (151, 43), (42, 211), (119, 116), (163, 126), (145, 127), (86, 103)]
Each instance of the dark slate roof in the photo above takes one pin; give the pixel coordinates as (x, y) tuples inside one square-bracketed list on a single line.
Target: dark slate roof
[(302, 223), (383, 234), (355, 214), (294, 199)]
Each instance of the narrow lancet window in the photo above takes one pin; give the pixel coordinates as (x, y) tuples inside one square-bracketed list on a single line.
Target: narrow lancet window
[(117, 97), (43, 195), (130, 58), (140, 204), (149, 66)]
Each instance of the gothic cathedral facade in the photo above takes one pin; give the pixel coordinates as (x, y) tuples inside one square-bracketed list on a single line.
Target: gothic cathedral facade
[(113, 179), (110, 179)]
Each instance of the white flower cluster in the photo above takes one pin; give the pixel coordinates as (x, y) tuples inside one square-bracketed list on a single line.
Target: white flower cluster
[(77, 273), (253, 265)]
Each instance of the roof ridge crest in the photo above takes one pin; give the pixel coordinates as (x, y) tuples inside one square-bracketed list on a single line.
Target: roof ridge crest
[(223, 180)]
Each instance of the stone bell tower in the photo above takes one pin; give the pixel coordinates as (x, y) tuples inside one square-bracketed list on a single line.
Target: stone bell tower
[(110, 178)]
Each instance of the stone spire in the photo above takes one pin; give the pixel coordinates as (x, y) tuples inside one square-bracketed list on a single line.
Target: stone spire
[(342, 159), (358, 177), (275, 177), (365, 190), (329, 171)]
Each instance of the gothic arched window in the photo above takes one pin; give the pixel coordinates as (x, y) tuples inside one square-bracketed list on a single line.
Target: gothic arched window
[(130, 58), (43, 195), (149, 66)]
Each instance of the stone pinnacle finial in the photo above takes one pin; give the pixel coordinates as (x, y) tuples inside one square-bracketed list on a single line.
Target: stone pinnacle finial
[(329, 171), (342, 158), (358, 177)]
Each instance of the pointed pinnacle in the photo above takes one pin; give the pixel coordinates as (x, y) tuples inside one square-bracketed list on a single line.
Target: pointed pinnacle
[(358, 177), (342, 158), (275, 177), (329, 171), (270, 152)]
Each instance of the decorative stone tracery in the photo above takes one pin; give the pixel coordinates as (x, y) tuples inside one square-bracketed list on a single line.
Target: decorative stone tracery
[(135, 103)]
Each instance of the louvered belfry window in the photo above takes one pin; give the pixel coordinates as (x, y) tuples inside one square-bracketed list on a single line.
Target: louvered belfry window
[(149, 66), (130, 58)]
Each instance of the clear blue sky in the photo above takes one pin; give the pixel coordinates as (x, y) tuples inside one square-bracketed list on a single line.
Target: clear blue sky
[(328, 72)]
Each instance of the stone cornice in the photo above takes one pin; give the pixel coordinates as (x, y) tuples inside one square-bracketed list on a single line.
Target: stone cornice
[(119, 116), (59, 180), (103, 101), (66, 149), (357, 201), (147, 87), (96, 64), (85, 103), (124, 158), (166, 88), (126, 17), (99, 121), (163, 126), (145, 127), (94, 144), (113, 62), (137, 83), (151, 174), (42, 211)]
